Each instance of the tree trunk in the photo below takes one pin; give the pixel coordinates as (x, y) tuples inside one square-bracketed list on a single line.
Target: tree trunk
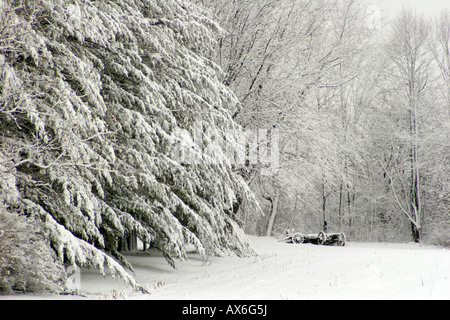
[(273, 214), (132, 242), (341, 196), (416, 233), (128, 243)]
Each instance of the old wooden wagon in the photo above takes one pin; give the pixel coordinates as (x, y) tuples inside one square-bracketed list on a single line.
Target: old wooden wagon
[(321, 238)]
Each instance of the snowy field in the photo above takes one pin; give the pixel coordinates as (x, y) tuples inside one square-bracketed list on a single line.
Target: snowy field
[(286, 271)]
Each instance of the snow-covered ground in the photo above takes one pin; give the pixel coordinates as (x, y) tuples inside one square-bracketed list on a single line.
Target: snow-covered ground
[(287, 271)]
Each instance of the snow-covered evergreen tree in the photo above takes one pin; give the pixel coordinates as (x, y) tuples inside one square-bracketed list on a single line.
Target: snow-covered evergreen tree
[(92, 95), (27, 262)]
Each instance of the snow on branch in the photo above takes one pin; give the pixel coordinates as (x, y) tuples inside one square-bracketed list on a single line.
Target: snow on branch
[(93, 94)]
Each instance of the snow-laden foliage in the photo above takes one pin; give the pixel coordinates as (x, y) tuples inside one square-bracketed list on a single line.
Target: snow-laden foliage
[(27, 262), (92, 96)]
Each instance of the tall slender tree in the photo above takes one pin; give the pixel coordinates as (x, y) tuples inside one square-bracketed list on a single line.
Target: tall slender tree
[(408, 51)]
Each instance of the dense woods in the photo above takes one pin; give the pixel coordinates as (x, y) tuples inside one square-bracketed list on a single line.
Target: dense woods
[(102, 104), (363, 108)]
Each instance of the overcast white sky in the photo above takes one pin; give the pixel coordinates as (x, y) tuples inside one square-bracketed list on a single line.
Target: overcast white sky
[(428, 7)]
